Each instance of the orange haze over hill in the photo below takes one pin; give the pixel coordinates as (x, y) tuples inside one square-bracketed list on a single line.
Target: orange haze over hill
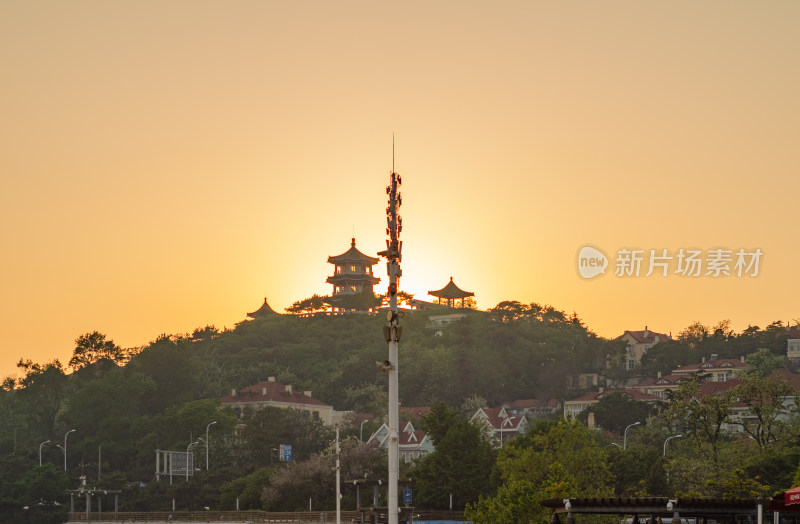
[(167, 165)]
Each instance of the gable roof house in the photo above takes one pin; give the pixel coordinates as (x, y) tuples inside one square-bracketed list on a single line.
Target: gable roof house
[(274, 394), (638, 342), (413, 443), (500, 425), (532, 407), (572, 408), (719, 369)]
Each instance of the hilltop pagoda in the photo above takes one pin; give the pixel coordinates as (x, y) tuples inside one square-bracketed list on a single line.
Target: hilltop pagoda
[(352, 272), (450, 294)]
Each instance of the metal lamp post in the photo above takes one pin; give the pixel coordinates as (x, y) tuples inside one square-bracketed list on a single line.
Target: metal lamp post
[(625, 437), (665, 443), (361, 433), (65, 449), (207, 442), (187, 458), (40, 451)]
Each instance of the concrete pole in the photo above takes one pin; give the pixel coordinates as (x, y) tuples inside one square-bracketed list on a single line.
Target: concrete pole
[(338, 481), (393, 256)]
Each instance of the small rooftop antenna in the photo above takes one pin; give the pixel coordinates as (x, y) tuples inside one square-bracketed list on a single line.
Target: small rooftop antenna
[(392, 152)]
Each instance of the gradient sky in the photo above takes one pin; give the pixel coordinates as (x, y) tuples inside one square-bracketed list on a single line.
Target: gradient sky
[(165, 165)]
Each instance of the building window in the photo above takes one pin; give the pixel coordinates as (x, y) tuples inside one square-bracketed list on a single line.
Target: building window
[(352, 269)]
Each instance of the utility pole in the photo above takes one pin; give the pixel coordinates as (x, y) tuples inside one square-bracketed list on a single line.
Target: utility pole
[(338, 480), (391, 333)]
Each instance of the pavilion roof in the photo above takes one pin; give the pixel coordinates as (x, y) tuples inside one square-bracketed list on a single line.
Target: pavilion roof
[(263, 311), (451, 290), (352, 255)]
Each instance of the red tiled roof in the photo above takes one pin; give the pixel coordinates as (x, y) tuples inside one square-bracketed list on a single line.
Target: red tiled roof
[(792, 378), (416, 411), (720, 363), (660, 381), (406, 440), (642, 339), (710, 388), (633, 394), (497, 422), (270, 392), (531, 403)]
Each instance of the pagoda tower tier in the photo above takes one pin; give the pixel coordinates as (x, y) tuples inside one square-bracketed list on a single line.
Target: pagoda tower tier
[(450, 294), (352, 272)]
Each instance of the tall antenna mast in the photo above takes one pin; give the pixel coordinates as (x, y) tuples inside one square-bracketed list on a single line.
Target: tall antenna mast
[(391, 333)]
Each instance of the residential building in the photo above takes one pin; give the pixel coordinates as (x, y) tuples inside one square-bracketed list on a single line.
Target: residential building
[(413, 443), (500, 425), (532, 407), (276, 395), (661, 386), (637, 344), (572, 408), (717, 369)]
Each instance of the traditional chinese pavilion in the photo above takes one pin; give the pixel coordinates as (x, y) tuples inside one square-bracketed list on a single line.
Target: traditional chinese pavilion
[(352, 272), (264, 311), (450, 294)]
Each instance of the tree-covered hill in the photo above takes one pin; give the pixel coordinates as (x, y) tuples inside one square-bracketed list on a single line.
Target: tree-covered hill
[(126, 404)]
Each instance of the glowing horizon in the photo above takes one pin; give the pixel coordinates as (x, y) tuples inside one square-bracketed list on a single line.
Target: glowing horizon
[(167, 166)]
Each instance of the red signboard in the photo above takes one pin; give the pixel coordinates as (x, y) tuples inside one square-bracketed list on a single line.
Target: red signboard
[(792, 496)]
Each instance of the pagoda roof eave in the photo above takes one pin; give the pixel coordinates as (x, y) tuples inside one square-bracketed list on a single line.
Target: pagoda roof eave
[(451, 290), (353, 255), (341, 278), (263, 311)]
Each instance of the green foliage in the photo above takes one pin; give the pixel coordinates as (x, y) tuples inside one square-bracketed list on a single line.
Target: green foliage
[(93, 347), (313, 304), (247, 489), (763, 363), (166, 394), (459, 464), (554, 460), (266, 429), (704, 416), (764, 398), (616, 411)]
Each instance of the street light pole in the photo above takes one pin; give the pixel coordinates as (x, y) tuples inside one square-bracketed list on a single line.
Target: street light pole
[(187, 458), (361, 433), (65, 449), (40, 451), (207, 442), (338, 480), (625, 437), (665, 443)]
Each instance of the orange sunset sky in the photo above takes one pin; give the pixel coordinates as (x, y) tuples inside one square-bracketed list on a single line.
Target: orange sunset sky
[(165, 165)]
